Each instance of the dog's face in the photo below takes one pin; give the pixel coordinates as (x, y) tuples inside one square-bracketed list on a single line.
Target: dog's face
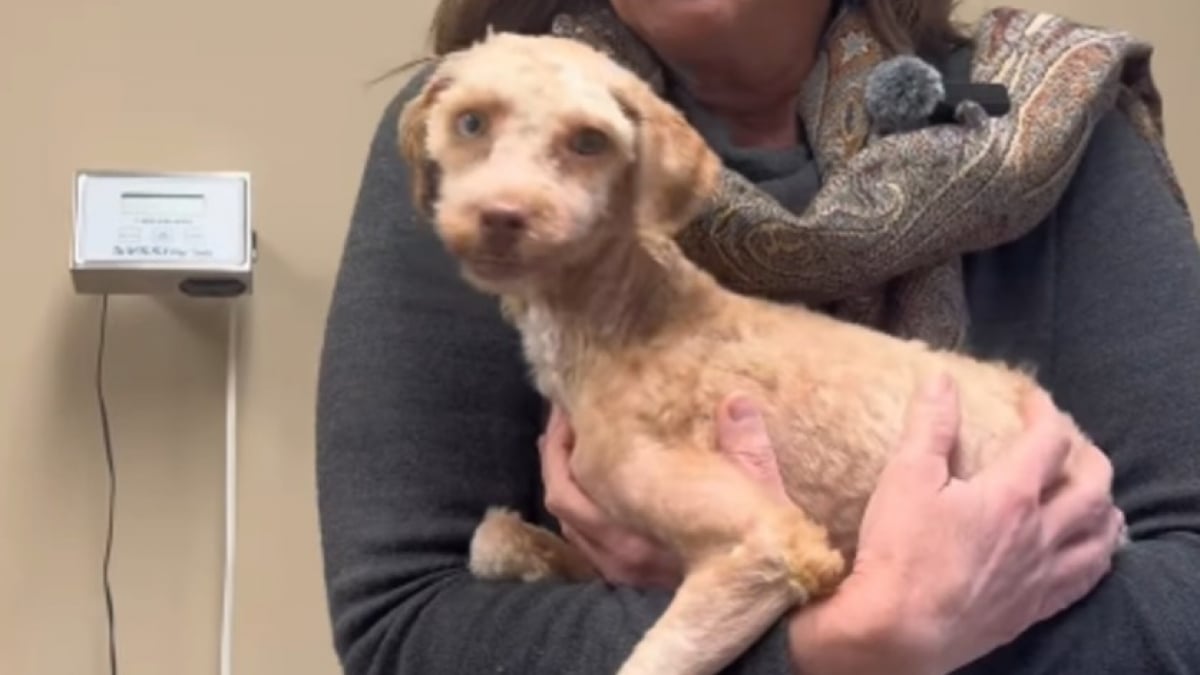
[(530, 152)]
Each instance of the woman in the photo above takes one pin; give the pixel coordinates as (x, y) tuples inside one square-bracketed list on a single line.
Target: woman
[(1092, 275)]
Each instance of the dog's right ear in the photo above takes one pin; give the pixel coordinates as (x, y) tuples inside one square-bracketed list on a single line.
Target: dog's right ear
[(412, 132)]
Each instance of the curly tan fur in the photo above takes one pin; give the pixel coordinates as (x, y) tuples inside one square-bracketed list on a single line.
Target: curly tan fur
[(561, 180)]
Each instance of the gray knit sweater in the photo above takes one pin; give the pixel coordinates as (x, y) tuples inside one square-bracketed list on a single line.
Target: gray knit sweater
[(425, 418)]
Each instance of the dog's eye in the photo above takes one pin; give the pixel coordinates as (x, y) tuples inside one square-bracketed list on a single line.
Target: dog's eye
[(470, 124), (588, 142)]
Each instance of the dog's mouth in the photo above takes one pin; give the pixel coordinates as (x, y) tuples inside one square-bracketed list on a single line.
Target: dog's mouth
[(494, 268)]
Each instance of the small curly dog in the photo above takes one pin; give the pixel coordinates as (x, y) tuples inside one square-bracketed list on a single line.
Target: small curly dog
[(557, 179)]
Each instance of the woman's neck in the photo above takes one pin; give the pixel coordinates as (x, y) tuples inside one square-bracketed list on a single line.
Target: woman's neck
[(775, 125), (756, 103), (747, 68)]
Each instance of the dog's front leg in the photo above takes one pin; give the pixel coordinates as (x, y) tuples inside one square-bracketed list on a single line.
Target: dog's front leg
[(722, 607), (748, 557)]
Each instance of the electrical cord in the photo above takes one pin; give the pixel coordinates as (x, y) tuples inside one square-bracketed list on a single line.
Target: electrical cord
[(231, 381), (112, 484)]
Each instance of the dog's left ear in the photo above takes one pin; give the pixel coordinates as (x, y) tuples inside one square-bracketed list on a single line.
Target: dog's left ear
[(411, 132), (676, 173)]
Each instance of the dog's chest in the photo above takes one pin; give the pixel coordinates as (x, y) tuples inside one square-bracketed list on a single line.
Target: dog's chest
[(543, 340)]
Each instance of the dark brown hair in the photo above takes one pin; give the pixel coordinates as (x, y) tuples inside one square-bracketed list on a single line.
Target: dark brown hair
[(923, 27)]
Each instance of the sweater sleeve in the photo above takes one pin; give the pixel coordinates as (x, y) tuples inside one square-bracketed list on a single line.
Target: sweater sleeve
[(425, 418), (1126, 365)]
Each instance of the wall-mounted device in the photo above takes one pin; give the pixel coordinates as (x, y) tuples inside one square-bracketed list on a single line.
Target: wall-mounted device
[(158, 233)]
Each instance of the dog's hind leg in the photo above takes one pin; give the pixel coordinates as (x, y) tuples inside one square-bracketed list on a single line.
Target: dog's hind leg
[(748, 557)]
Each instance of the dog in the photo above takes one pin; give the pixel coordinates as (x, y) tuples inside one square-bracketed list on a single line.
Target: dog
[(558, 180)]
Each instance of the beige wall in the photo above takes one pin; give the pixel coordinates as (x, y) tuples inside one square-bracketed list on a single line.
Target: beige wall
[(163, 84), (213, 85), (1169, 25)]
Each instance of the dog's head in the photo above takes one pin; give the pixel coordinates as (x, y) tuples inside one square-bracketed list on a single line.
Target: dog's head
[(528, 153)]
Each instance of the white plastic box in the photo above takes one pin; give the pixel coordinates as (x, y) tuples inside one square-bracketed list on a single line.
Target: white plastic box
[(162, 233)]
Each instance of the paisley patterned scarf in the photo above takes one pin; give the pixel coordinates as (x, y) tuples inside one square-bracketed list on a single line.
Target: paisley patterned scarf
[(881, 243)]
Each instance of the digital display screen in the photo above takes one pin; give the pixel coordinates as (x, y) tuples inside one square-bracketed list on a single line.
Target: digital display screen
[(193, 220), (162, 205)]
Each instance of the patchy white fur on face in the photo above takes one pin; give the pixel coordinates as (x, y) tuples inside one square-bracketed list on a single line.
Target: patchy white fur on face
[(516, 132)]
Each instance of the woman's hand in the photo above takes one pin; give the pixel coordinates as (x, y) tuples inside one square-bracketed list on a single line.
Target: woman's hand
[(948, 570), (624, 557)]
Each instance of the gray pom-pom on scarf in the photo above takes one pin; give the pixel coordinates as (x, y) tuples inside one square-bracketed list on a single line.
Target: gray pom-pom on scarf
[(902, 93)]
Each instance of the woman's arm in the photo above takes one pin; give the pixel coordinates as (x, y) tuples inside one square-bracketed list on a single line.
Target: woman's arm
[(424, 419), (1136, 388), (1126, 365)]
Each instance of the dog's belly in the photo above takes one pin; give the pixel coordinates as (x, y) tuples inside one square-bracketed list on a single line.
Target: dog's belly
[(833, 430), (837, 417), (835, 396), (831, 479)]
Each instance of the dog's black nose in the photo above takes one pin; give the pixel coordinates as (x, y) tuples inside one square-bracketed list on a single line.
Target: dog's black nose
[(501, 229), (502, 222)]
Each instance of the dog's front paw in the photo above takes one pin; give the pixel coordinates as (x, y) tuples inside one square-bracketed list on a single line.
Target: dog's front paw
[(506, 548), (815, 569)]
